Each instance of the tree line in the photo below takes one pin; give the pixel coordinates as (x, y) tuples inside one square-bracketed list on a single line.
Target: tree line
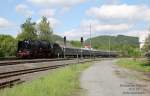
[(29, 30)]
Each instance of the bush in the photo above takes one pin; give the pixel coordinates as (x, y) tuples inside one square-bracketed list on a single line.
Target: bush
[(7, 46)]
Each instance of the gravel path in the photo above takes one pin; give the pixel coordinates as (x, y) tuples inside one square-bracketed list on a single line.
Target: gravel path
[(104, 79)]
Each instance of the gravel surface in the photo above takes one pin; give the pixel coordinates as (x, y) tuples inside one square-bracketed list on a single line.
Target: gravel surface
[(35, 75), (106, 79), (33, 65)]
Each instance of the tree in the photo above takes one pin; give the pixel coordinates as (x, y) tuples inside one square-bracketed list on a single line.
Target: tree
[(45, 31), (146, 46), (76, 43), (7, 46), (28, 31)]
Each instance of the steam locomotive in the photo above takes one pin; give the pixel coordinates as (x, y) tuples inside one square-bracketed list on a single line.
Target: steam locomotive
[(44, 49)]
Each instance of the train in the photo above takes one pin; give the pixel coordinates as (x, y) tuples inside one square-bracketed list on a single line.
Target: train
[(44, 49)]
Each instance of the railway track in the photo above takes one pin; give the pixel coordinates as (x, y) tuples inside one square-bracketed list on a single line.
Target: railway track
[(8, 58), (15, 62), (7, 82), (26, 71), (10, 83)]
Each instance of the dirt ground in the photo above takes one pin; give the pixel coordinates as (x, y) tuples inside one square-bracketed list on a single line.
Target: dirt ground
[(105, 78)]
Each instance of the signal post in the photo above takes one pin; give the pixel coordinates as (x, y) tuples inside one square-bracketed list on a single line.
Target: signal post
[(82, 47)]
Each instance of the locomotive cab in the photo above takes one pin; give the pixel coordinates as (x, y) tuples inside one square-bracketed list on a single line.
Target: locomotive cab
[(57, 50)]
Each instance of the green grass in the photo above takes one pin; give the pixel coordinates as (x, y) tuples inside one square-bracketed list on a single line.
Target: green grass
[(62, 82), (138, 65)]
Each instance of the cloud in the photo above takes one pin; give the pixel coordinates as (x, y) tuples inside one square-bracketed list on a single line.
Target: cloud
[(72, 34), (5, 23), (111, 27), (63, 3), (122, 11), (97, 26), (53, 21), (23, 9), (47, 12), (111, 1), (142, 34)]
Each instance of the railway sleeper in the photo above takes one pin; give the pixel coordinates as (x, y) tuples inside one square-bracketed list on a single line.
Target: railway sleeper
[(21, 72), (10, 83)]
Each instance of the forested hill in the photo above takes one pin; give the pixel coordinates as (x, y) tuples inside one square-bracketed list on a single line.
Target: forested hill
[(116, 42), (57, 38)]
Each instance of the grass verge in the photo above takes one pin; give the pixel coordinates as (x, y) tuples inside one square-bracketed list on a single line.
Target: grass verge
[(62, 82), (138, 65)]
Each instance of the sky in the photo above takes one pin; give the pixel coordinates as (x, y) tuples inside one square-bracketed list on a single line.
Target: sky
[(73, 18)]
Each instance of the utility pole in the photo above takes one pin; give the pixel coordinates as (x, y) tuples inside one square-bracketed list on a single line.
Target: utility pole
[(109, 46), (90, 41), (64, 46)]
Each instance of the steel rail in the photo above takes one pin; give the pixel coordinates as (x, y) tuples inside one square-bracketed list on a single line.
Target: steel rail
[(7, 75), (6, 63)]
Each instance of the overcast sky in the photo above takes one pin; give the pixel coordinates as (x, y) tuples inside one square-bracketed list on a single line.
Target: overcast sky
[(72, 18)]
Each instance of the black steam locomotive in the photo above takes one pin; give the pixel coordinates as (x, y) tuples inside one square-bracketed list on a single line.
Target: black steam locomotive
[(44, 49)]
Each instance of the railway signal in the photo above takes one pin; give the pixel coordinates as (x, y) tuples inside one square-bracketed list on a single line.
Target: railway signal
[(81, 47), (81, 39)]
